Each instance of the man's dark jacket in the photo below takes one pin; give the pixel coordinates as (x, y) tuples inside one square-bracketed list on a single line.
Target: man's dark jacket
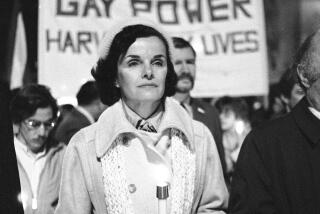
[(209, 116), (70, 124), (278, 169)]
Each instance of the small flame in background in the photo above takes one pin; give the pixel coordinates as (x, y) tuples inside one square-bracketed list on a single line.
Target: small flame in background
[(239, 126), (22, 198)]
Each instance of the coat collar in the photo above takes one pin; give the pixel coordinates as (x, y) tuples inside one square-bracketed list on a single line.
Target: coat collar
[(113, 123), (306, 121)]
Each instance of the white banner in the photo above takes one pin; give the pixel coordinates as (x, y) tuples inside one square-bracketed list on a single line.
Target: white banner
[(228, 35)]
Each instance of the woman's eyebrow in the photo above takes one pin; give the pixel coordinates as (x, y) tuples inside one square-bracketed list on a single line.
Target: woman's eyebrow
[(132, 56), (160, 56)]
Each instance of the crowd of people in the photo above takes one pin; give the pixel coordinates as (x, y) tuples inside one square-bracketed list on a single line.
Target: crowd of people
[(136, 126)]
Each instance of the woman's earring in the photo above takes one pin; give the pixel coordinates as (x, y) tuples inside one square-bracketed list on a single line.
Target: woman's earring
[(116, 84)]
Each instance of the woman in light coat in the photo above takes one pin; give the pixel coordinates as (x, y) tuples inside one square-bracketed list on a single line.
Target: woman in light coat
[(143, 139)]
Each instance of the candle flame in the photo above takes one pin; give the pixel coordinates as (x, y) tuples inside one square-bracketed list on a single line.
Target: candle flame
[(22, 198), (162, 175), (239, 126)]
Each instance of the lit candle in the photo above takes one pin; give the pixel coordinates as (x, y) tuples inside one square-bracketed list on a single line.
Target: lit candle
[(162, 195), (162, 175)]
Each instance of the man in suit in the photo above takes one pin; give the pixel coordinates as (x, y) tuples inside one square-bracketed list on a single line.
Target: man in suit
[(278, 169), (184, 65), (87, 112)]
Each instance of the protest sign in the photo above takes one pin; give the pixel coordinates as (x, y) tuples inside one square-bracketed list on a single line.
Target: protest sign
[(228, 35)]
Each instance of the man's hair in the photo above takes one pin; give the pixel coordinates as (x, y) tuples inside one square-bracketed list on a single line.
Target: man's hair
[(87, 93), (106, 70), (179, 42), (304, 59), (28, 99), (236, 104)]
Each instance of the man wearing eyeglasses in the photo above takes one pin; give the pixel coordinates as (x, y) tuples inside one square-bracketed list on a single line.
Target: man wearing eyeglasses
[(34, 112)]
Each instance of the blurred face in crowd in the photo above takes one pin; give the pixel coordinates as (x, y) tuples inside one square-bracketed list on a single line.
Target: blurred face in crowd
[(278, 105), (34, 130), (296, 95), (142, 71), (184, 66), (228, 119)]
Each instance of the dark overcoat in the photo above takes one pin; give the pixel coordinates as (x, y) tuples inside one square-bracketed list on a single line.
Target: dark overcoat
[(278, 169)]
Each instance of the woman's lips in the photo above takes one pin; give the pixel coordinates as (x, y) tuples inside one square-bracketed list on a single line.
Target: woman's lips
[(148, 85)]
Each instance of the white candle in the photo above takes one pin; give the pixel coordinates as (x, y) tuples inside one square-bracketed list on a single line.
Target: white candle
[(162, 176), (162, 195)]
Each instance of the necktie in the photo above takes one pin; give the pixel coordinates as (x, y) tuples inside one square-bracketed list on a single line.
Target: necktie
[(145, 125)]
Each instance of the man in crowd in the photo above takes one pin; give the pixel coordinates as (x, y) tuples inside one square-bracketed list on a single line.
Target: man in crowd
[(34, 112), (87, 112), (278, 169), (185, 66)]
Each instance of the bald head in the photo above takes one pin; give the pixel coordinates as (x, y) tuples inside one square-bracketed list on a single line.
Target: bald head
[(307, 61), (307, 66)]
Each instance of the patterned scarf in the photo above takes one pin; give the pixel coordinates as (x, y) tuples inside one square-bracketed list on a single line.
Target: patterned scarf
[(145, 126), (149, 124), (116, 191)]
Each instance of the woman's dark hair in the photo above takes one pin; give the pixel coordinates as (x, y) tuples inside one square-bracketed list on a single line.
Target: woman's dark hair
[(105, 73), (28, 99)]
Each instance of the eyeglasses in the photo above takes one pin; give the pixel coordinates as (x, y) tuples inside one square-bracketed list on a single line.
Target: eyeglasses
[(35, 124)]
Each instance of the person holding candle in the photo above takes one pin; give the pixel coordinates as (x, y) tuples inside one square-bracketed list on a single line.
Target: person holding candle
[(143, 140), (235, 124), (39, 158)]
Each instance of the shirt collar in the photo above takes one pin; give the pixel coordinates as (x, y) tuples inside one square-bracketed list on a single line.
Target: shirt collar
[(174, 116), (86, 114), (315, 112)]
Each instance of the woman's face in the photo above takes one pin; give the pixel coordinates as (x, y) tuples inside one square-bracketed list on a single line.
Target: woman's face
[(228, 119), (142, 71)]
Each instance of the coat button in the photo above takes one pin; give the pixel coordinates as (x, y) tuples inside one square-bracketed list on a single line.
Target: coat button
[(132, 188)]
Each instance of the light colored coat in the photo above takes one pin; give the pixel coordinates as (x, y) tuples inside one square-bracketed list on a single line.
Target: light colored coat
[(82, 187), (49, 182)]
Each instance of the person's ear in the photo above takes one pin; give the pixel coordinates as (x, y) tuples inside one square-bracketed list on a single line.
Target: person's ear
[(302, 76), (116, 84), (16, 128)]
